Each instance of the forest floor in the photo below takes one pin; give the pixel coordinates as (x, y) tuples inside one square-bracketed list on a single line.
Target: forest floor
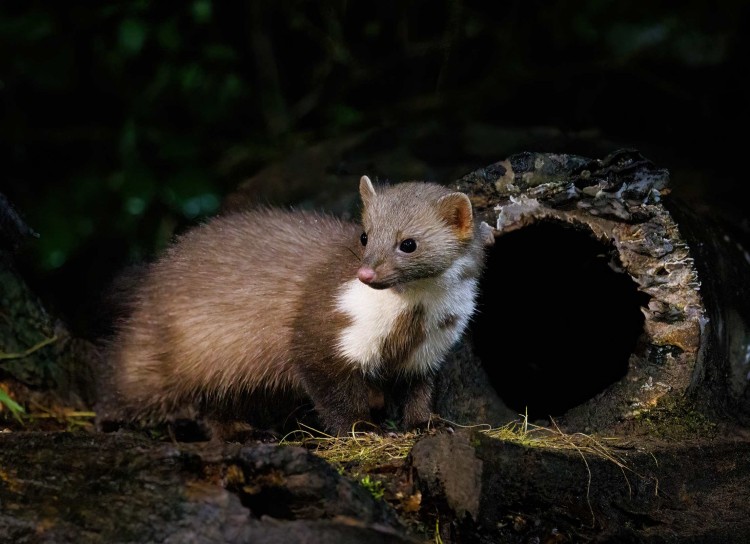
[(520, 483)]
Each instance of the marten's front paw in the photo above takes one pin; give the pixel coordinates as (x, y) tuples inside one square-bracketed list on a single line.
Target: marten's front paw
[(417, 413), (421, 422), (348, 427)]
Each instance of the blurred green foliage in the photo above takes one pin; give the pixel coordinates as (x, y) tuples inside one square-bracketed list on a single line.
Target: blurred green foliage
[(12, 406), (124, 120), (121, 100)]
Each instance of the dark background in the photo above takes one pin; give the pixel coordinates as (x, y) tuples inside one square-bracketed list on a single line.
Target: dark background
[(123, 122)]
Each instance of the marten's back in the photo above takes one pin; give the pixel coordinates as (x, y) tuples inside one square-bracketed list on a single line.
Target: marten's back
[(215, 314)]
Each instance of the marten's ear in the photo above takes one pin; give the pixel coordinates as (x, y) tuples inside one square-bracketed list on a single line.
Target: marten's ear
[(455, 209), (366, 190)]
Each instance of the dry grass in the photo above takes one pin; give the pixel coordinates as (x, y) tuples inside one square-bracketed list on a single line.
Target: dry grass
[(365, 446), (361, 447)]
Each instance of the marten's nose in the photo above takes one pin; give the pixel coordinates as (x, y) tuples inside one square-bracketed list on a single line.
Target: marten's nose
[(366, 274)]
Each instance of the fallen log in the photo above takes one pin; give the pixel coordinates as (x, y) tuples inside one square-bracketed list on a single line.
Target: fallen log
[(593, 307)]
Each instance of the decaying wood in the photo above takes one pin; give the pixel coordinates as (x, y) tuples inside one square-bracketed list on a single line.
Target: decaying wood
[(107, 488), (620, 201), (499, 492)]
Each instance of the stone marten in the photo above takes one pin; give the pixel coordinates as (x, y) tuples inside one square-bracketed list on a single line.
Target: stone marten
[(270, 300)]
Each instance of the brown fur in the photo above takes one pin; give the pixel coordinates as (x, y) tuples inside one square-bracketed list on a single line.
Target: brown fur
[(216, 315), (426, 209), (407, 334), (246, 303)]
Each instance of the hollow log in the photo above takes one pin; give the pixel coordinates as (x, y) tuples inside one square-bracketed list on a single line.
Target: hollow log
[(593, 308)]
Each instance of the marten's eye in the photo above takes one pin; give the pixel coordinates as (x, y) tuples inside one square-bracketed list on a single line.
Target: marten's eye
[(363, 238), (408, 245)]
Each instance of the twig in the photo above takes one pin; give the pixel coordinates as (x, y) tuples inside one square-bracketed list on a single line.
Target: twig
[(32, 349)]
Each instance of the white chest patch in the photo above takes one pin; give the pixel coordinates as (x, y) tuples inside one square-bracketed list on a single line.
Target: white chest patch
[(448, 303), (373, 313)]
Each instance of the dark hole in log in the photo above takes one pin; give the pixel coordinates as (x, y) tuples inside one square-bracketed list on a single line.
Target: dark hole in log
[(556, 323), (269, 501)]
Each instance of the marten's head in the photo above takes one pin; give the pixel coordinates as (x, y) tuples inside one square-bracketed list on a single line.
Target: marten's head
[(412, 231)]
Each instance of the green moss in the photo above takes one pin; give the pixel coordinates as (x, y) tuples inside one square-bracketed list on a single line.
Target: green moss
[(375, 487), (676, 419)]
